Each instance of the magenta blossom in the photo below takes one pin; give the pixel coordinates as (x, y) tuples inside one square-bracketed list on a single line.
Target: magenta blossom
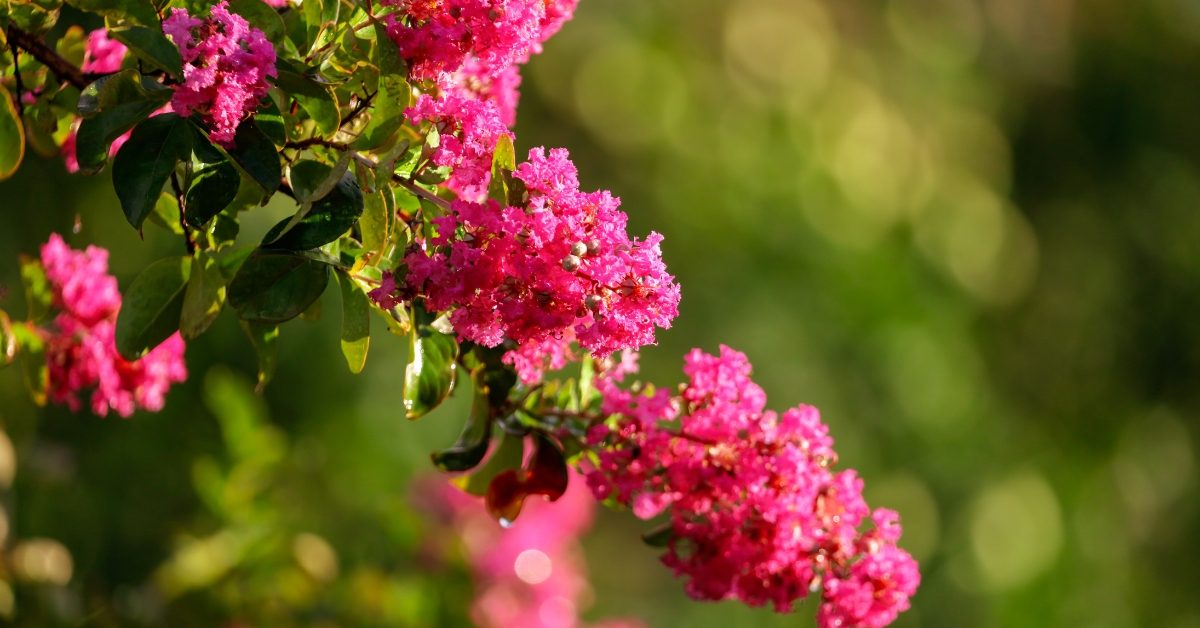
[(754, 511), (81, 351), (226, 64), (562, 263)]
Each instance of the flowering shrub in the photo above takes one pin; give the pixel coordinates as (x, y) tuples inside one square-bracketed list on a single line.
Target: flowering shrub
[(388, 125)]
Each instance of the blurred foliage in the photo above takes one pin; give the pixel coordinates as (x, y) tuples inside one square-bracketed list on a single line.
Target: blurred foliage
[(965, 229)]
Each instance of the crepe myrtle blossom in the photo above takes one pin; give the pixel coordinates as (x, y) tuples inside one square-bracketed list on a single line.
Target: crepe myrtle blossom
[(80, 343), (226, 63), (561, 263), (468, 130), (754, 511)]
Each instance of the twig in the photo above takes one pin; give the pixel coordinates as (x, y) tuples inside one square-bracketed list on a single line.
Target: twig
[(63, 69), (20, 83), (189, 242)]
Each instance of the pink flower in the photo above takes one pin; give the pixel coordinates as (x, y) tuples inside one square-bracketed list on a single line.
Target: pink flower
[(81, 351), (531, 574), (102, 54), (755, 512), (226, 64), (469, 130), (562, 263), (532, 359)]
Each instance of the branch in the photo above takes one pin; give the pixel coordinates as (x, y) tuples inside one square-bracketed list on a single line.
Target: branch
[(63, 69)]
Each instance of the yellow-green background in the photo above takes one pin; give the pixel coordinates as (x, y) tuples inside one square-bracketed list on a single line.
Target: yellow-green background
[(965, 229)]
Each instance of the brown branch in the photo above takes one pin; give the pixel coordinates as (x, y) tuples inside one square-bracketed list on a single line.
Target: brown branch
[(63, 69)]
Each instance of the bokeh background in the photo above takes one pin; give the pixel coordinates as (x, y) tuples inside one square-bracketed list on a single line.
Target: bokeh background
[(966, 229)]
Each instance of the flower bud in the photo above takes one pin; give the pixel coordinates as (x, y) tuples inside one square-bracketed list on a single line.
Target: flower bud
[(592, 302), (593, 246), (578, 249), (571, 263)]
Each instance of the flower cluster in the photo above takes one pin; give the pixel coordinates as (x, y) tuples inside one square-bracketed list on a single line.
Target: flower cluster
[(560, 264), (530, 574), (81, 350), (469, 129), (439, 36), (226, 63), (755, 512)]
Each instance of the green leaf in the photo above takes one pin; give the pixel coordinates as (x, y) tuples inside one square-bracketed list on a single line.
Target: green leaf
[(256, 154), (152, 47), (314, 98), (140, 11), (270, 121), (507, 456), (204, 297), (151, 306), (472, 444), (356, 323), (37, 289), (213, 189), (12, 136), (146, 161), (260, 16), (376, 225), (111, 106), (276, 286), (329, 217), (265, 338), (391, 98), (429, 375), (659, 536)]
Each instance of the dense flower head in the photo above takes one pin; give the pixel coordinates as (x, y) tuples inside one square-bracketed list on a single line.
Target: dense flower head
[(476, 82), (81, 351), (226, 63), (468, 131), (530, 574), (102, 53), (562, 263), (755, 511), (438, 37)]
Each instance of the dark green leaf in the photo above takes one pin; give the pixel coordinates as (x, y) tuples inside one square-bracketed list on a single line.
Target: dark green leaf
[(146, 161), (329, 217), (429, 376), (140, 11), (204, 297), (472, 444), (659, 536), (356, 323), (265, 338), (213, 189), (314, 98), (270, 121), (12, 136), (151, 306), (507, 456), (275, 286), (152, 47), (255, 153)]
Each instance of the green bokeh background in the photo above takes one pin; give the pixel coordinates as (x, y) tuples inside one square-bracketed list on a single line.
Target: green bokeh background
[(965, 229)]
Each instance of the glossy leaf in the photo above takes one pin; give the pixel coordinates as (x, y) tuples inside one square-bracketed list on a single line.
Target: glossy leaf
[(8, 341), (507, 456), (391, 97), (12, 136), (151, 306), (275, 286), (546, 474), (472, 444), (146, 161), (256, 154), (356, 323), (213, 189), (329, 217), (429, 375), (152, 47)]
